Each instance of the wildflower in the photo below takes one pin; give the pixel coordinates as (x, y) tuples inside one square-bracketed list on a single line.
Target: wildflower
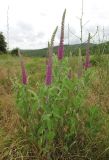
[(80, 65), (61, 46), (48, 79), (60, 52), (87, 63), (24, 75)]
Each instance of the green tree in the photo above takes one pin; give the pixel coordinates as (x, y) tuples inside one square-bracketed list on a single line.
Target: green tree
[(14, 52), (3, 44)]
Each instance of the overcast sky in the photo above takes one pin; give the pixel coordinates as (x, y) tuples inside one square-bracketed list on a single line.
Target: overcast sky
[(31, 22)]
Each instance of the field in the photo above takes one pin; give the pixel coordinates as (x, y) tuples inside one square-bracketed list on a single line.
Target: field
[(67, 120)]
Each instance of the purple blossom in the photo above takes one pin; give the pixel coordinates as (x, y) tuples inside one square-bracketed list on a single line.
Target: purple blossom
[(48, 79), (49, 61), (24, 75), (60, 52), (80, 64), (87, 63)]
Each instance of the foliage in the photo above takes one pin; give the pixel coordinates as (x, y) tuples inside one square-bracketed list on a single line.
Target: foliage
[(56, 115), (14, 52), (3, 43)]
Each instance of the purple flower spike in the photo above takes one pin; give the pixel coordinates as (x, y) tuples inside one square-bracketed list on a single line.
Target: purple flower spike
[(24, 75), (60, 52), (80, 64), (48, 79), (49, 61), (87, 63)]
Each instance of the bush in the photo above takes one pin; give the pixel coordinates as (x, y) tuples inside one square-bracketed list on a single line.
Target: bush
[(3, 44), (14, 52)]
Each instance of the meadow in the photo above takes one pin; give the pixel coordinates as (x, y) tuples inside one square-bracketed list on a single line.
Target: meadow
[(54, 108), (73, 114)]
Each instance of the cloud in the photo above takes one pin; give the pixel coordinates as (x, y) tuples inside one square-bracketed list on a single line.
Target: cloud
[(40, 35), (32, 22), (43, 14), (71, 30), (23, 34)]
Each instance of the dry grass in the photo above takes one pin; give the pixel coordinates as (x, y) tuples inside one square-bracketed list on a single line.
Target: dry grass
[(99, 91), (13, 147)]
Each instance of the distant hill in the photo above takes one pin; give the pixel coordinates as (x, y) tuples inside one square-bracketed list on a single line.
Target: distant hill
[(94, 48)]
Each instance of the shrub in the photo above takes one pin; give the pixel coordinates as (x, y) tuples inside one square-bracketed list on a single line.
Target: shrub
[(3, 43), (14, 52)]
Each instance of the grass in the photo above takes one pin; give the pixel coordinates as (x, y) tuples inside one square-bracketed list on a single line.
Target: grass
[(81, 136), (9, 119)]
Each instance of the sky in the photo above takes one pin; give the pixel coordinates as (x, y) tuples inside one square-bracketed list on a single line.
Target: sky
[(32, 22)]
